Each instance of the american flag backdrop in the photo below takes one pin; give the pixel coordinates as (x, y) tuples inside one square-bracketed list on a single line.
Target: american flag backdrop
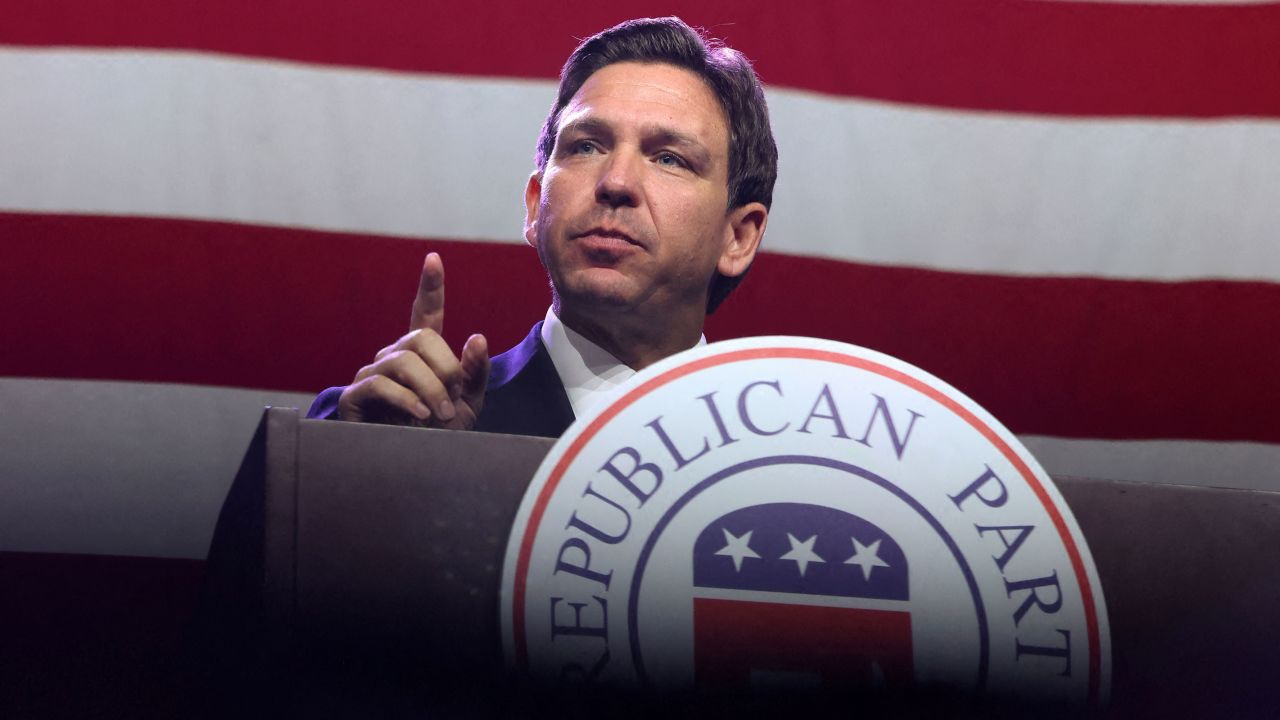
[(1068, 210)]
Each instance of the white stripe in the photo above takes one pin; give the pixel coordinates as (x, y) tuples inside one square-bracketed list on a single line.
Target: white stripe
[(197, 136), (120, 468), (1027, 195), (207, 137), (782, 598)]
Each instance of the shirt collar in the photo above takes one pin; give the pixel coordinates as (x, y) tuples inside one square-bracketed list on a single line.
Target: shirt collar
[(587, 371)]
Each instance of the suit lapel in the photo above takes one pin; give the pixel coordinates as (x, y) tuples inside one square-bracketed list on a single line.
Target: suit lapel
[(525, 395)]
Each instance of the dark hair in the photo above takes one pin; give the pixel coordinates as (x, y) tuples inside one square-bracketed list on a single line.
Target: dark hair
[(753, 156)]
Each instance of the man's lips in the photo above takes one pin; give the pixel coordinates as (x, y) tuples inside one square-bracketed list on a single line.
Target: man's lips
[(604, 239), (608, 233)]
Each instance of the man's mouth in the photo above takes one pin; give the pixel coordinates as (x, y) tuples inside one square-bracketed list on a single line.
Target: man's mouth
[(608, 232), (605, 238)]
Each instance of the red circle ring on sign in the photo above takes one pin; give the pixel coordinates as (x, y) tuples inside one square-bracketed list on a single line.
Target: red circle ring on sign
[(544, 497)]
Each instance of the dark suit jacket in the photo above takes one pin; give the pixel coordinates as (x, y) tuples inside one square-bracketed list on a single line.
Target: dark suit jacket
[(524, 396)]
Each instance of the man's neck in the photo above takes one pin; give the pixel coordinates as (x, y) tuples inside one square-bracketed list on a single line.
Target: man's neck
[(631, 337)]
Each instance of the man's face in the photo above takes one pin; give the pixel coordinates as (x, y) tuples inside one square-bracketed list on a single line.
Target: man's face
[(630, 212)]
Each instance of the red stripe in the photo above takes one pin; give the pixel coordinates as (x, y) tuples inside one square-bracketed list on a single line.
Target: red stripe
[(222, 304), (1090, 58), (288, 309), (1074, 357)]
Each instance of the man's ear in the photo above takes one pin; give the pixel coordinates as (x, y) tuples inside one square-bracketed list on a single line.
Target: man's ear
[(742, 238), (532, 201)]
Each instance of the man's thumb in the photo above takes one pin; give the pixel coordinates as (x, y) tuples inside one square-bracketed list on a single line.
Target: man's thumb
[(475, 370)]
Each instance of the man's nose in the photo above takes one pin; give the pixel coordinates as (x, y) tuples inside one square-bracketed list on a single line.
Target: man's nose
[(619, 180)]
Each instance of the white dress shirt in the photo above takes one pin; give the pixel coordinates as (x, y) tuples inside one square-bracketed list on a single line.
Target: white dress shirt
[(587, 371)]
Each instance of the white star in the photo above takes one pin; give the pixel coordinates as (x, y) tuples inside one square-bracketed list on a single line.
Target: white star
[(737, 548), (802, 553), (866, 557)]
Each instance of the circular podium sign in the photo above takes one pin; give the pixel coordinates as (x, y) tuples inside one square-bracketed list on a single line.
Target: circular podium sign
[(792, 512)]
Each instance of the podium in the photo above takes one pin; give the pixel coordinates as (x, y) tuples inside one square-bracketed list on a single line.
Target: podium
[(350, 542)]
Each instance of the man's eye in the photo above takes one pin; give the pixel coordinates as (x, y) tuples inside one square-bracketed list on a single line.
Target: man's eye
[(583, 147), (670, 159)]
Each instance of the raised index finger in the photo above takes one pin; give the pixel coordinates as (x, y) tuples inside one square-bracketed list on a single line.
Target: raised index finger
[(428, 306)]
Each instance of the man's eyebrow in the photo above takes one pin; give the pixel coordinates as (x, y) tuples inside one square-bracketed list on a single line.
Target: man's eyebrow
[(653, 135), (659, 135), (588, 126)]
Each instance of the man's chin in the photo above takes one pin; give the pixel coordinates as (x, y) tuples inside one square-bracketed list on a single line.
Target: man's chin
[(599, 302), (598, 297)]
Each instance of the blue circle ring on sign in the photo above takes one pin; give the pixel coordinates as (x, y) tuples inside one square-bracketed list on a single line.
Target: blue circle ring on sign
[(524, 556), (633, 602)]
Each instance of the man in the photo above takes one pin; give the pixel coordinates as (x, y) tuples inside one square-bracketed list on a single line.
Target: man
[(654, 178)]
